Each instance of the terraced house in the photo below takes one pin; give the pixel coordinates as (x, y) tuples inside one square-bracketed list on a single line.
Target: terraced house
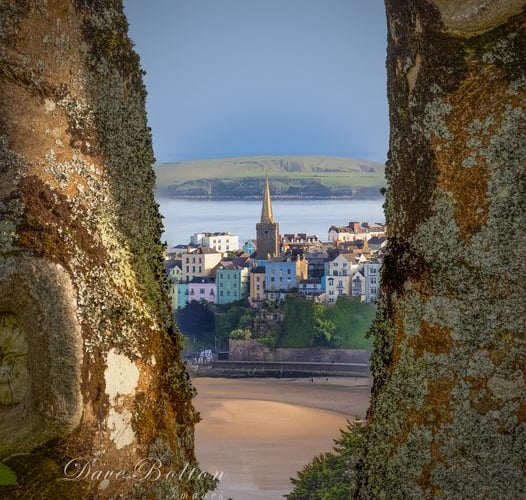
[(232, 283), (199, 263)]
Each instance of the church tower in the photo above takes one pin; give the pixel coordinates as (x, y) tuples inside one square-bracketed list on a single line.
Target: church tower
[(267, 231)]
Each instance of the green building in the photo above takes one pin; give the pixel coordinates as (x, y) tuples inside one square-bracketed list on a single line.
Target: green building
[(232, 283)]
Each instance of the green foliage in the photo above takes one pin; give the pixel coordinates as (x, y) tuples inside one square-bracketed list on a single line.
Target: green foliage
[(196, 320), (330, 476), (269, 342), (7, 476), (240, 334), (228, 317), (296, 329), (323, 329), (343, 325), (353, 320)]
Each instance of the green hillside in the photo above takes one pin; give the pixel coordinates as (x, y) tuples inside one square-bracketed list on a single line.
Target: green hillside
[(289, 177)]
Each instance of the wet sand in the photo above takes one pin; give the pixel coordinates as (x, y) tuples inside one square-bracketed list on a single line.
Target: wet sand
[(260, 432)]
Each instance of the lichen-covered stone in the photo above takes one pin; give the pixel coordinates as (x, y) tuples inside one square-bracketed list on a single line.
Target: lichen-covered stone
[(77, 210), (447, 418)]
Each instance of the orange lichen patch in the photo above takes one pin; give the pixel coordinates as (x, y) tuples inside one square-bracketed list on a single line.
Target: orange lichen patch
[(468, 182), (482, 401), (424, 480), (438, 402), (423, 286), (435, 413), (435, 339)]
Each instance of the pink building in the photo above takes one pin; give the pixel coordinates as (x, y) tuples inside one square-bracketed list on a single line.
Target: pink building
[(201, 289)]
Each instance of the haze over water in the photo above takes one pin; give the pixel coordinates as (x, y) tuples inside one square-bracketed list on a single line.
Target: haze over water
[(182, 218)]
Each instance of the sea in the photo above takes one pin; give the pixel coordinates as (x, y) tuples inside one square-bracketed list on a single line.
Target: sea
[(182, 218)]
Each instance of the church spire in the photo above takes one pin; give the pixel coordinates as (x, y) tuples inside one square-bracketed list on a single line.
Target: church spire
[(266, 209)]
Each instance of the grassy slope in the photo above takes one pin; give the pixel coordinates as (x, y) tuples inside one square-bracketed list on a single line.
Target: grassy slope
[(328, 171)]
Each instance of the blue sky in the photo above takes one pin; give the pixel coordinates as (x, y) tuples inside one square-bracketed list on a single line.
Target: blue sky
[(251, 77)]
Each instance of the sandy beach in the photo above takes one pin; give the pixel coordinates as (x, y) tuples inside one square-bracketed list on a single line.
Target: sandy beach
[(260, 432)]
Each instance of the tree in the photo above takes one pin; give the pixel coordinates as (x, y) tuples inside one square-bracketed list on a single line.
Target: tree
[(323, 329), (330, 476), (240, 334)]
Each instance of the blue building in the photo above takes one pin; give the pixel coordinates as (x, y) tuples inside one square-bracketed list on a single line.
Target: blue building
[(282, 275), (249, 247), (182, 294)]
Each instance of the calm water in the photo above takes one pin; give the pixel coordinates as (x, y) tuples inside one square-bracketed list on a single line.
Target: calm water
[(182, 218)]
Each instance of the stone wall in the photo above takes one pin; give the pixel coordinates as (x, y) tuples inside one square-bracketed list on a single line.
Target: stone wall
[(251, 350)]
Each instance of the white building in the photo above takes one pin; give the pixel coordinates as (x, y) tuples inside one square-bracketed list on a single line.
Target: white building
[(366, 282), (338, 277), (356, 231), (220, 242), (371, 271)]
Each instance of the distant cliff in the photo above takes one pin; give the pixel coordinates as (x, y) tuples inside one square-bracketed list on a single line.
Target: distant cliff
[(290, 177)]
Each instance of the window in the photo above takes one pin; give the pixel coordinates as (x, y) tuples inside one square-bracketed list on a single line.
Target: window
[(201, 291), (200, 269), (187, 260), (373, 270), (193, 260), (373, 280), (187, 269), (373, 291), (193, 269), (288, 271)]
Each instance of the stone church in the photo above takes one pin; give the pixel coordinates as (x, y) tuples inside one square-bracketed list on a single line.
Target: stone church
[(267, 231)]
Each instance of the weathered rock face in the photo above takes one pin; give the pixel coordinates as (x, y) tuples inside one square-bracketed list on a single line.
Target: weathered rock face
[(88, 360), (448, 416)]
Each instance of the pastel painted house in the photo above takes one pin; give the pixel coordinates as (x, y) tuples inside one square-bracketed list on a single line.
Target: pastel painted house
[(202, 290), (283, 275), (257, 285), (232, 283), (249, 247), (199, 264), (181, 294)]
